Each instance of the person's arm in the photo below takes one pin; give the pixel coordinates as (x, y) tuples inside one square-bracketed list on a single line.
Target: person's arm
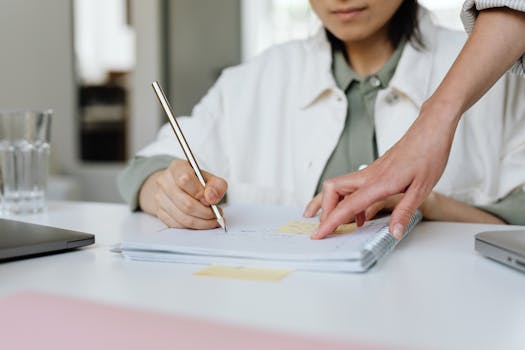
[(435, 207), (166, 187), (138, 170), (438, 207), (416, 162), (471, 10)]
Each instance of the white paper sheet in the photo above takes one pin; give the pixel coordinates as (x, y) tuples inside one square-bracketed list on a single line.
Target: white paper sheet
[(252, 240)]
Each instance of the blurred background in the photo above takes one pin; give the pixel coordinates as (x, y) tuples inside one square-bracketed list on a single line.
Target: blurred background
[(92, 62)]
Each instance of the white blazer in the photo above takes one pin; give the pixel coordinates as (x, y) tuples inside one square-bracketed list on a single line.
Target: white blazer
[(268, 126)]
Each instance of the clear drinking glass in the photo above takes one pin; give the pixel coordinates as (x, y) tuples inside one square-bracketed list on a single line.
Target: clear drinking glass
[(24, 160)]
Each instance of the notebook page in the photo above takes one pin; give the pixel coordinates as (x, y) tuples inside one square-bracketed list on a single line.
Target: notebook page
[(252, 233)]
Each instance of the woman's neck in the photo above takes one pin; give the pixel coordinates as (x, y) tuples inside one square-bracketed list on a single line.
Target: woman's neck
[(369, 55)]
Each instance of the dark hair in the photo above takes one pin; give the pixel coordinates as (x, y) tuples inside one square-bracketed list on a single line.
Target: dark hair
[(404, 24)]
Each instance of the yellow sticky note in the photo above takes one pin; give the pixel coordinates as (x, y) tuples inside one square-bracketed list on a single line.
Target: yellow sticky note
[(346, 228), (309, 227), (243, 273)]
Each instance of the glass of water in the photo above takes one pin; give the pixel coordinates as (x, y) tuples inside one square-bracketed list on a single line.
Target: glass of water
[(24, 160)]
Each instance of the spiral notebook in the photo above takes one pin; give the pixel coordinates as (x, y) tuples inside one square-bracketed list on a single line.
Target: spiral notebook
[(273, 237)]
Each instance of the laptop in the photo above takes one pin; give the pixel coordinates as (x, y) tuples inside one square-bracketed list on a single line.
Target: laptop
[(23, 240), (506, 247)]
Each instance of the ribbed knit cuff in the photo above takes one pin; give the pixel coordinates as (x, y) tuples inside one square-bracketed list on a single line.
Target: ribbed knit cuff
[(470, 12), (130, 181)]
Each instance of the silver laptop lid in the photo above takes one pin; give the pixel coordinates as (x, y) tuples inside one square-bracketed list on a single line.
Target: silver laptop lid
[(507, 247)]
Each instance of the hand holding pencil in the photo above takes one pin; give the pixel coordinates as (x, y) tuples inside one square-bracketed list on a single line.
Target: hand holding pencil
[(180, 178), (180, 200)]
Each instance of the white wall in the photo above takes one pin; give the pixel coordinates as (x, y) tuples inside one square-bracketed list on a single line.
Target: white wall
[(103, 39), (204, 37), (36, 68), (145, 112), (37, 71), (98, 180)]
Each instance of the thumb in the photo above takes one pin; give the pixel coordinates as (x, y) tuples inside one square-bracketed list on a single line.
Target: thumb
[(215, 189), (402, 214)]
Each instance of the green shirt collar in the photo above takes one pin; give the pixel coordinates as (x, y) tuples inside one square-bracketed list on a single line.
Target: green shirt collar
[(344, 74)]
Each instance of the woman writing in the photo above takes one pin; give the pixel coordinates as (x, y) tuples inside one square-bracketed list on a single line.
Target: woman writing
[(274, 129)]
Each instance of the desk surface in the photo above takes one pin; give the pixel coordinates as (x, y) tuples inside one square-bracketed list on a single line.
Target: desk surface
[(433, 292)]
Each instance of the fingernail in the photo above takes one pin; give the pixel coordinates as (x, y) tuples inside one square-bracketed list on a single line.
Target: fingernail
[(398, 231), (214, 195), (315, 235)]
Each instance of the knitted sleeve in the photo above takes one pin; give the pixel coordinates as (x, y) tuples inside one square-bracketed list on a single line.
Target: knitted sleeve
[(471, 9)]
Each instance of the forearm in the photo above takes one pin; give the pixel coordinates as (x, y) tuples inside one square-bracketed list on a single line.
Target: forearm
[(496, 42), (442, 208)]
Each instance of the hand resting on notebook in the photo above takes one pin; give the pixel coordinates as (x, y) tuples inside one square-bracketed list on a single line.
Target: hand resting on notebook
[(176, 197), (436, 207)]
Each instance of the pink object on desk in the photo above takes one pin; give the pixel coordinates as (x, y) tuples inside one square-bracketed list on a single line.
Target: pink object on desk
[(41, 321)]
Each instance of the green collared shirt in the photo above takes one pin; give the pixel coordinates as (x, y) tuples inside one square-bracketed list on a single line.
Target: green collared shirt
[(357, 145)]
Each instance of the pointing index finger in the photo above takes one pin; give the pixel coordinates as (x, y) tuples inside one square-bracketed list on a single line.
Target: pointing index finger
[(347, 209)]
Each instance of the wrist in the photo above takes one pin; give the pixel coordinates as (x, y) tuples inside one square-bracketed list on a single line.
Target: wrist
[(430, 206), (447, 111)]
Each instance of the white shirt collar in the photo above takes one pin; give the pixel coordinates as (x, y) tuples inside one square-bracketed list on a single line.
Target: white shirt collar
[(414, 63)]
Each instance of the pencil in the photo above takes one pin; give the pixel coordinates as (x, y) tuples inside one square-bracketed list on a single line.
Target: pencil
[(184, 145)]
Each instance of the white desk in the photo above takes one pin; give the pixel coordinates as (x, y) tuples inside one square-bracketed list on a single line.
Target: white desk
[(433, 292)]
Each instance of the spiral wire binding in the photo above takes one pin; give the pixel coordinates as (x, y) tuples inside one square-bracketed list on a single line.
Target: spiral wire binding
[(382, 243)]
